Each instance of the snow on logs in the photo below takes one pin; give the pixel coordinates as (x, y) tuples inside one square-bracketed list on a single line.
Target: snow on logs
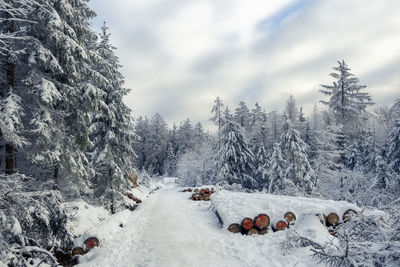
[(237, 208), (200, 194), (131, 196), (89, 243)]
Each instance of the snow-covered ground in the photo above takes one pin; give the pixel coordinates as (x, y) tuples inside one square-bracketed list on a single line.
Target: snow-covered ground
[(167, 229)]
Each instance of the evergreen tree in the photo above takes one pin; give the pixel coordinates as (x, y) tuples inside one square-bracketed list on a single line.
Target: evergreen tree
[(291, 110), (276, 173), (382, 174), (218, 117), (394, 148), (297, 169), (261, 170), (242, 116), (111, 130), (235, 159), (347, 101)]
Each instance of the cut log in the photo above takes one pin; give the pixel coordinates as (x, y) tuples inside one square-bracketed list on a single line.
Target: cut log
[(290, 217), (261, 221), (196, 190), (77, 251), (130, 195), (348, 214), (201, 197), (194, 195), (90, 243), (252, 231), (207, 198), (234, 228), (247, 224), (212, 189), (202, 191), (333, 219), (207, 190), (280, 225), (263, 231)]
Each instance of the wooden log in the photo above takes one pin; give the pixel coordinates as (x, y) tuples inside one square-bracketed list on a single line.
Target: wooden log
[(290, 217), (252, 231), (77, 251), (261, 221), (202, 191), (247, 224), (332, 231), (194, 195), (201, 197), (234, 228), (212, 189), (207, 190), (279, 226), (263, 231), (90, 243), (196, 190), (207, 198), (348, 214), (332, 219)]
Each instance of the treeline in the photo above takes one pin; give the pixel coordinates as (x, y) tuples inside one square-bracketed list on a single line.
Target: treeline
[(348, 148), (62, 118)]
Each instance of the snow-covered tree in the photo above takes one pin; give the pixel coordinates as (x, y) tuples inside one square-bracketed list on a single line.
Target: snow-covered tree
[(297, 169), (218, 117), (291, 110), (394, 148), (276, 173), (347, 101), (234, 159), (242, 116), (261, 167), (382, 175), (111, 128)]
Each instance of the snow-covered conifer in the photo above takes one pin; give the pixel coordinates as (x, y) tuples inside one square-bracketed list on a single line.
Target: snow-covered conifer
[(234, 158), (297, 169)]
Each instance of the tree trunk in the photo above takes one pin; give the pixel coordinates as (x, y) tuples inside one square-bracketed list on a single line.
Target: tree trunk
[(112, 191), (55, 177), (10, 149), (10, 159)]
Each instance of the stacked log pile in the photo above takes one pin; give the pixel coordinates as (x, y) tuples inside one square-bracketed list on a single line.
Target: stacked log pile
[(262, 224), (202, 194)]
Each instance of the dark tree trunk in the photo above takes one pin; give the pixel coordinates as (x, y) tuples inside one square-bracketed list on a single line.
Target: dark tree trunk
[(10, 75), (112, 191), (10, 159), (55, 177)]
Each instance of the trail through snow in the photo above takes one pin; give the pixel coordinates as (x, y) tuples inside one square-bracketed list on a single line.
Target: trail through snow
[(169, 230)]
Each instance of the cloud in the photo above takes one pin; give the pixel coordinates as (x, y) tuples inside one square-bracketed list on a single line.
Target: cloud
[(178, 55)]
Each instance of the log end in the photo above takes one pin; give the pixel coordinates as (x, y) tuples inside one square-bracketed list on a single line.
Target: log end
[(281, 225), (348, 214), (234, 228), (247, 224), (90, 243), (77, 251), (290, 217), (253, 231), (333, 219)]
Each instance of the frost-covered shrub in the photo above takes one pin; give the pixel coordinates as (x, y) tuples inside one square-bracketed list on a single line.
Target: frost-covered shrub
[(369, 239), (31, 221)]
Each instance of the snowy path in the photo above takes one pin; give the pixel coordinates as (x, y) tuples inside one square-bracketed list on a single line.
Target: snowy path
[(169, 230)]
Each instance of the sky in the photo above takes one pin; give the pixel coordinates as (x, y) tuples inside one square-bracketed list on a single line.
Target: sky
[(179, 55)]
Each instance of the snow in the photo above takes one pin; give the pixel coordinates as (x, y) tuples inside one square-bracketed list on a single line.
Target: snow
[(233, 207), (168, 229)]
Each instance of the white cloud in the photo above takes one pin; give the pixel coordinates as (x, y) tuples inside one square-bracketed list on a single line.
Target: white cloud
[(179, 54)]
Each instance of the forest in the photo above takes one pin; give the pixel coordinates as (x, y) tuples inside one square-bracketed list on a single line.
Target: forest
[(66, 133)]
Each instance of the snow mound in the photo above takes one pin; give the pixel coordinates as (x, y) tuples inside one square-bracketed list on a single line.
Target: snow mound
[(233, 207)]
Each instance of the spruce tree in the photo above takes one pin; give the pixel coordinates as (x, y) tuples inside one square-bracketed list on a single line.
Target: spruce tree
[(394, 148), (218, 117), (276, 173), (297, 169), (234, 158)]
